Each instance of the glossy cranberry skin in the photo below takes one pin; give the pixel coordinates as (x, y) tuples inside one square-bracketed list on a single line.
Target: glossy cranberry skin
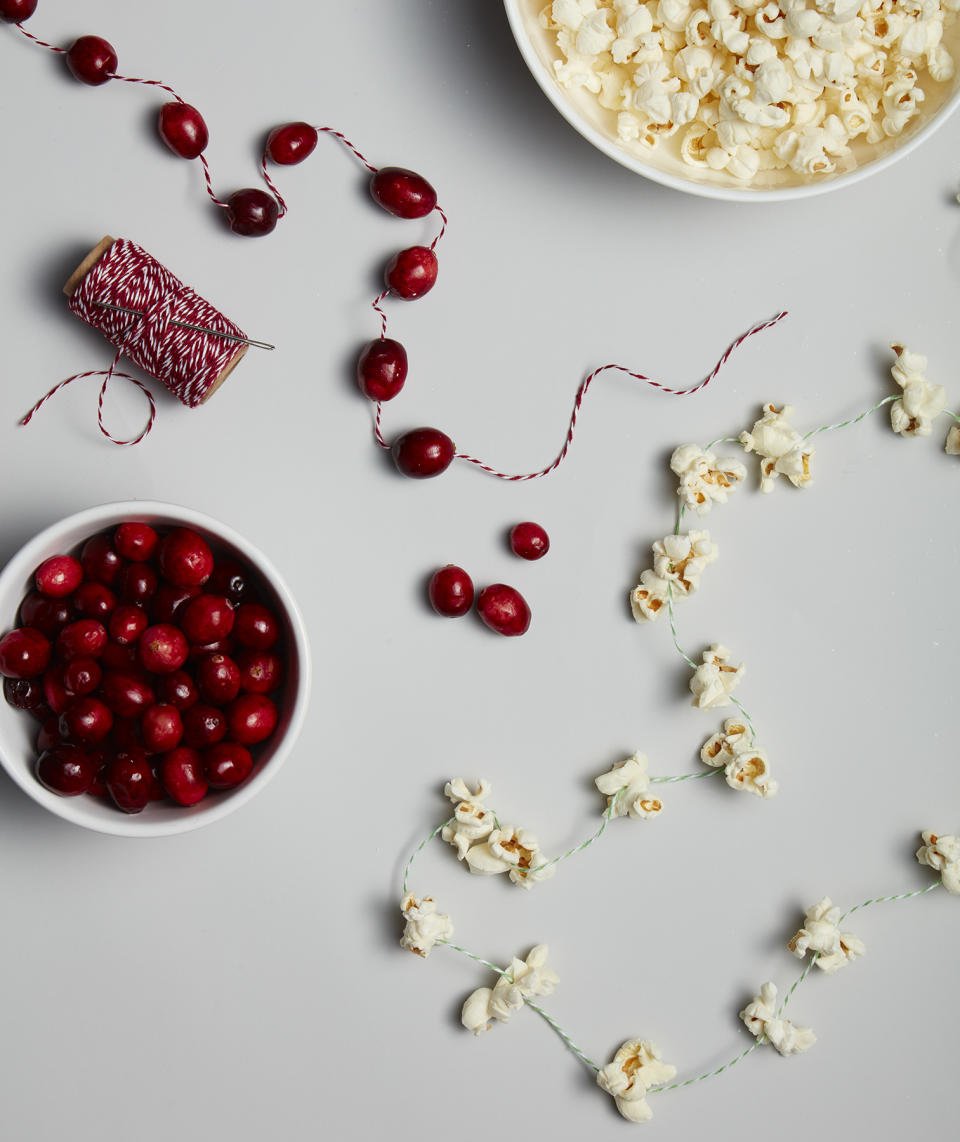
[(47, 615), (24, 653), (450, 591), (185, 558), (529, 540), (23, 693), (411, 273), (229, 578), (91, 60), (58, 576), (137, 583), (503, 609), (86, 720), (218, 679), (66, 769), (181, 774), (129, 780), (255, 627), (422, 453), (168, 600), (81, 676), (291, 143), (183, 130), (226, 765), (382, 369), (127, 624), (403, 193), (252, 212), (162, 648), (99, 560), (126, 692), (16, 11), (54, 692), (136, 541), (251, 718), (261, 671), (85, 638), (161, 728), (93, 600), (207, 618), (178, 689), (203, 726)]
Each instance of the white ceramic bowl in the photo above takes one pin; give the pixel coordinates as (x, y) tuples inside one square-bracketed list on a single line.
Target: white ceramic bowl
[(598, 126), (18, 730)]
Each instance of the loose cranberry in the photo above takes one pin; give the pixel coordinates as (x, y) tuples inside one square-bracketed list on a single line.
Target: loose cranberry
[(23, 693), (227, 764), (92, 60), (127, 624), (260, 671), (161, 728), (137, 583), (168, 601), (251, 718), (100, 561), (47, 615), (86, 720), (24, 653), (503, 609), (58, 576), (382, 369), (162, 648), (255, 627), (16, 11), (49, 735), (412, 272), (203, 726), (129, 779), (181, 772), (66, 769), (252, 212), (423, 452), (207, 618), (183, 130), (93, 600), (450, 591), (218, 679), (137, 541), (402, 193), (185, 558), (529, 541), (86, 638), (54, 692), (117, 656), (229, 578), (126, 692), (178, 689), (81, 676), (291, 143)]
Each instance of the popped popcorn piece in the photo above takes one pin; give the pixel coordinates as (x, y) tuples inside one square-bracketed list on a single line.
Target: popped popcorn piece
[(626, 787), (942, 854), (913, 414), (714, 680), (472, 819), (952, 445), (522, 980), (780, 447), (649, 597), (759, 1017), (635, 1068), (681, 559), (425, 925), (745, 767), (821, 934), (721, 748), (512, 850), (704, 480)]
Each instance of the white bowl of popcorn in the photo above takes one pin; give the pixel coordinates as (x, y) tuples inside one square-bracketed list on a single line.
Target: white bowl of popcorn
[(741, 99)]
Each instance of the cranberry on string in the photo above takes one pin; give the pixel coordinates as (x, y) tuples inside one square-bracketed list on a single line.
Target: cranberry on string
[(183, 130), (412, 272), (403, 193), (252, 212), (382, 369), (423, 452), (16, 11), (291, 143), (92, 60)]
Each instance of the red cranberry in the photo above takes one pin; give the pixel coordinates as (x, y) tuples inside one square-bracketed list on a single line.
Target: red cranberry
[(93, 600), (126, 692), (47, 615), (16, 11), (229, 578), (137, 583), (127, 624), (411, 273), (423, 452), (218, 679), (99, 560), (66, 769), (503, 609), (260, 671), (129, 780), (24, 653), (161, 728), (450, 591), (185, 558), (59, 576), (81, 676), (137, 541), (207, 618), (181, 772), (162, 648), (86, 720), (23, 693), (92, 60), (227, 764), (54, 692), (402, 193), (255, 627), (183, 130), (49, 735), (177, 689), (86, 638), (252, 718), (168, 601), (252, 212), (291, 143), (382, 369), (117, 656), (203, 726), (529, 541)]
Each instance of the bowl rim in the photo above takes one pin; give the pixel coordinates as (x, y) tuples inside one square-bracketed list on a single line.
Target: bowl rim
[(99, 517), (518, 25)]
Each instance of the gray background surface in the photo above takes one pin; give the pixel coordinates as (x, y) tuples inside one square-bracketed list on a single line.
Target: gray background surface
[(245, 981)]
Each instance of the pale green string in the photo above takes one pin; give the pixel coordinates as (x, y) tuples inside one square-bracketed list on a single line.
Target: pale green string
[(851, 421), (419, 849)]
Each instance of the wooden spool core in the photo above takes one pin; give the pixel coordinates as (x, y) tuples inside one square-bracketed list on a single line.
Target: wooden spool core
[(73, 283)]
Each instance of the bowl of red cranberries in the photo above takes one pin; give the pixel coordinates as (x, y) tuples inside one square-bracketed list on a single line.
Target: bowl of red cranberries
[(155, 669)]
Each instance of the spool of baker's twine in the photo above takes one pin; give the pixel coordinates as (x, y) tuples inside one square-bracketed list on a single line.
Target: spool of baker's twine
[(155, 321)]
